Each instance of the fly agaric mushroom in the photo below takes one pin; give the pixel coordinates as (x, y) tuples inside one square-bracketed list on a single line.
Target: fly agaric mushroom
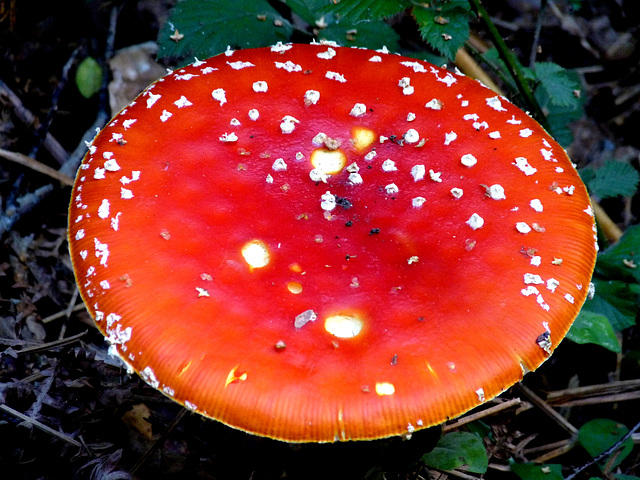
[(315, 243)]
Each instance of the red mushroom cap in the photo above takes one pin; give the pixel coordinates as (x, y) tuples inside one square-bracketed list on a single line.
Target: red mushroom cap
[(315, 243)]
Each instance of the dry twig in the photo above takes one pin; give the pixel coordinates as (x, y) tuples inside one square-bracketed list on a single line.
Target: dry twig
[(544, 406), (608, 226), (560, 448), (481, 414), (159, 441), (52, 345), (56, 150), (470, 67), (595, 394), (604, 454), (41, 426), (37, 166)]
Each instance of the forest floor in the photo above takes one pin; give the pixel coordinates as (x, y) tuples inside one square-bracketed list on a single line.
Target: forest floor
[(69, 410)]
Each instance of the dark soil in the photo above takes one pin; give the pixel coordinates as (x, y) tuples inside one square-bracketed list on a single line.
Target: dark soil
[(106, 424)]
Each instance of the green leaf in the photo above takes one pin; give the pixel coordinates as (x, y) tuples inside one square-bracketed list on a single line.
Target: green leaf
[(560, 119), (492, 58), (559, 115), (481, 429), (458, 449), (345, 30), (622, 260), (587, 174), (575, 4), (533, 471), (374, 35), (555, 93), (206, 27), (359, 10), (591, 327), (615, 300), (89, 77), (612, 179), (558, 83), (444, 24), (312, 11), (600, 434)]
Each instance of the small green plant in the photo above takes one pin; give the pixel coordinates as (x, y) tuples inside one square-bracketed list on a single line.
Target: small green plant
[(600, 435), (612, 179), (458, 450), (89, 77), (532, 471)]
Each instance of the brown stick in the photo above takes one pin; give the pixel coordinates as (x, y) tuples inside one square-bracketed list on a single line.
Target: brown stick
[(608, 226), (37, 166), (596, 394), (174, 423), (50, 143), (52, 345), (40, 425), (544, 406), (484, 413), (565, 447), (470, 68)]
